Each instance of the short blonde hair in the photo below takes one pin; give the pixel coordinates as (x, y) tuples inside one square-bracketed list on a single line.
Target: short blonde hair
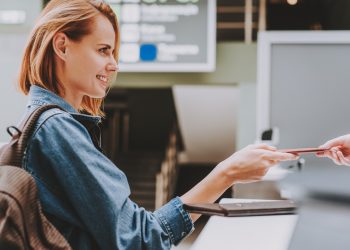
[(74, 18)]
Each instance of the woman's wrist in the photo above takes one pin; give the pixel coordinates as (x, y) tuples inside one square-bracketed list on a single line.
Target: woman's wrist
[(225, 174), (211, 187)]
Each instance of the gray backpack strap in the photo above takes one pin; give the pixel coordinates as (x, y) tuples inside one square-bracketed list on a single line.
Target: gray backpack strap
[(13, 152)]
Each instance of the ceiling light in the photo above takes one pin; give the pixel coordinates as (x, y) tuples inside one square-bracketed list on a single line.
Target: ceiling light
[(292, 2), (12, 16)]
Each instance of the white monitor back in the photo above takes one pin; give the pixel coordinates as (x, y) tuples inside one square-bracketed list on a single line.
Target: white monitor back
[(207, 118), (304, 87)]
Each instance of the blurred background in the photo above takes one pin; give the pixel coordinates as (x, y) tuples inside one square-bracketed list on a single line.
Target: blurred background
[(197, 83)]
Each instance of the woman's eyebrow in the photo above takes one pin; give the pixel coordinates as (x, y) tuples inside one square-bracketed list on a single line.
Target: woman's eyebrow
[(107, 45)]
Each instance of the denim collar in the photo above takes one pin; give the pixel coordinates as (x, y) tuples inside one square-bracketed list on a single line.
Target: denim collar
[(40, 96)]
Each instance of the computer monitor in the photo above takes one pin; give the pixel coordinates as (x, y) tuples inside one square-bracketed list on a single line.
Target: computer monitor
[(303, 87)]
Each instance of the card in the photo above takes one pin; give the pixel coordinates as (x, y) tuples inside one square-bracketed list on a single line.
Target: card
[(303, 150)]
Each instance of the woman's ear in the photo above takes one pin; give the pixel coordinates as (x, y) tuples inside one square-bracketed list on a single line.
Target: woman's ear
[(59, 44)]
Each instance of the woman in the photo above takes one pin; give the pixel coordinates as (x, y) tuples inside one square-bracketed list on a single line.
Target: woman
[(69, 61)]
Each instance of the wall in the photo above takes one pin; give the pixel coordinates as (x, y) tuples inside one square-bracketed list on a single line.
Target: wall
[(12, 42), (236, 62)]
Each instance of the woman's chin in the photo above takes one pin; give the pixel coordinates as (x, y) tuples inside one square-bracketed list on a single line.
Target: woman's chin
[(98, 94)]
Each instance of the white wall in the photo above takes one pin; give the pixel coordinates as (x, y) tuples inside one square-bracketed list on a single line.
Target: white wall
[(208, 121), (12, 42), (246, 124)]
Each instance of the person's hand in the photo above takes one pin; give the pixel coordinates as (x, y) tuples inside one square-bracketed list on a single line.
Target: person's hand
[(339, 150), (252, 162)]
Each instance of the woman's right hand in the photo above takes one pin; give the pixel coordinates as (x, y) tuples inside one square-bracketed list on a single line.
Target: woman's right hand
[(252, 162), (247, 165)]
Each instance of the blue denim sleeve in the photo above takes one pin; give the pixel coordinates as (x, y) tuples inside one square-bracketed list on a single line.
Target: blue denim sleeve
[(175, 220), (99, 192)]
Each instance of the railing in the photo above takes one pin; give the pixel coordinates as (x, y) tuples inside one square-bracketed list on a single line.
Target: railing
[(140, 136), (167, 176)]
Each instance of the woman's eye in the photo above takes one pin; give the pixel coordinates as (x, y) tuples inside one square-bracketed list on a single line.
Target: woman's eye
[(103, 50)]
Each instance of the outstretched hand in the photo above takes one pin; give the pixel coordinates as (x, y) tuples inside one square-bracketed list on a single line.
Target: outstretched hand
[(252, 162), (246, 165), (339, 150)]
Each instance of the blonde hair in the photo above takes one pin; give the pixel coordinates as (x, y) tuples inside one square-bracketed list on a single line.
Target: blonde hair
[(74, 18)]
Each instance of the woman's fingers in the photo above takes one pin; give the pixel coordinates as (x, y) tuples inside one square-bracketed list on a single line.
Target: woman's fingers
[(321, 154), (278, 156), (262, 146), (333, 143), (337, 155), (342, 159), (334, 156)]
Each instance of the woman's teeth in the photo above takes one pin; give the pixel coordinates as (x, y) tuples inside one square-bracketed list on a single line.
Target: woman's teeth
[(102, 78)]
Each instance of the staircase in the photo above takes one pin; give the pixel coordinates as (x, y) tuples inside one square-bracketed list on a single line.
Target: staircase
[(140, 136), (141, 170)]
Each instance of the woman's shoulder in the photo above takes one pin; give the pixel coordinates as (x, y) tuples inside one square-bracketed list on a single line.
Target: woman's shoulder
[(53, 112), (55, 121), (55, 115), (58, 128)]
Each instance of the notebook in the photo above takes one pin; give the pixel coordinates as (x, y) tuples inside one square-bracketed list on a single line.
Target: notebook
[(243, 209)]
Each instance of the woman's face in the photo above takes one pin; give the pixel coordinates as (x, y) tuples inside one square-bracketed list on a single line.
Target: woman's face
[(89, 64)]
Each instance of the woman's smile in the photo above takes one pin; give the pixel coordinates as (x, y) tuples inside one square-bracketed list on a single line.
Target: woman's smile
[(103, 80)]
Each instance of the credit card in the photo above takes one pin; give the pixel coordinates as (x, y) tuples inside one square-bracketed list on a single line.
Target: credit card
[(303, 150)]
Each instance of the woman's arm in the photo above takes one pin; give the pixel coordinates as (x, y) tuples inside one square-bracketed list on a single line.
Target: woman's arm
[(247, 165)]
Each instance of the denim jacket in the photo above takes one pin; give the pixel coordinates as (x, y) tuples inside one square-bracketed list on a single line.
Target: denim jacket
[(84, 194)]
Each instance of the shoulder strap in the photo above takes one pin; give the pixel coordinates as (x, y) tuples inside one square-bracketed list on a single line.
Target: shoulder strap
[(13, 152)]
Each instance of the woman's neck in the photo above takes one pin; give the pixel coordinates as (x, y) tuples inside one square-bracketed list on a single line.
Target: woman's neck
[(73, 99)]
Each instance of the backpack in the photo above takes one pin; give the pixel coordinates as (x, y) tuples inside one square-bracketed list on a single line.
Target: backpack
[(22, 222)]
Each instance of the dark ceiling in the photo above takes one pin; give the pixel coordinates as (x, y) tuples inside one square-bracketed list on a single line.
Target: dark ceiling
[(308, 14)]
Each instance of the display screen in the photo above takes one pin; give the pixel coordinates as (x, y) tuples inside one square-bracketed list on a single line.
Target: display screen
[(166, 35)]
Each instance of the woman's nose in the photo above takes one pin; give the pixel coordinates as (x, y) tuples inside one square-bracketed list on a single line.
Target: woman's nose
[(112, 67)]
